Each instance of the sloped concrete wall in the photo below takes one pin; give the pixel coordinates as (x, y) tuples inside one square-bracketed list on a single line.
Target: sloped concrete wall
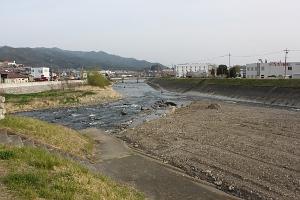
[(282, 96)]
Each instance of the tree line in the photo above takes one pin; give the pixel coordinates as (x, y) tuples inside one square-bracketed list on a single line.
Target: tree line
[(223, 71)]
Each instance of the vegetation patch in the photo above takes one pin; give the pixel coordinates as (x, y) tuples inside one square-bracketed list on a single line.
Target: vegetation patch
[(62, 96), (36, 174), (60, 137), (96, 79), (6, 154)]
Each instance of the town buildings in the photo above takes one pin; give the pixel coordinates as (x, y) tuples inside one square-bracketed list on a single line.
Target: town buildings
[(193, 70), (12, 77), (266, 69), (40, 73)]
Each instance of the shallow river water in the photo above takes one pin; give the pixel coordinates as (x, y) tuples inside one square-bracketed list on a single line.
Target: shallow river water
[(109, 116)]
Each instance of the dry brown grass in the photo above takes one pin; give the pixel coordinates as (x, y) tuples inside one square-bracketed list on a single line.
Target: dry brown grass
[(60, 137)]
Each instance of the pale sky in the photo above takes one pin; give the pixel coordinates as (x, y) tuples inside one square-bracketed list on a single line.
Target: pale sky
[(165, 31)]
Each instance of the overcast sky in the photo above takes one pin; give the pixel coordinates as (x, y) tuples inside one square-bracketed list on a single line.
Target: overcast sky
[(165, 31)]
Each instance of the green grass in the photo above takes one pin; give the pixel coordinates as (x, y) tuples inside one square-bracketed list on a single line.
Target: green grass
[(63, 96), (60, 137), (293, 83), (36, 174)]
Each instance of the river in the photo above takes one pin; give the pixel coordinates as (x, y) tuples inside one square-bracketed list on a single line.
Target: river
[(109, 116)]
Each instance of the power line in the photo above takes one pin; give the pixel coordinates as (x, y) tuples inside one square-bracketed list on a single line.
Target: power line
[(257, 55)]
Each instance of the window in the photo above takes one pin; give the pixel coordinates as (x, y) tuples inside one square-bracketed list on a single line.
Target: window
[(290, 68), (262, 68), (251, 68)]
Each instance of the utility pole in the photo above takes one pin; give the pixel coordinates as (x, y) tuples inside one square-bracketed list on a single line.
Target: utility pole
[(229, 56), (286, 51)]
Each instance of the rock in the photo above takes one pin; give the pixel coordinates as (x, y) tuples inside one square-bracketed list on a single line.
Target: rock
[(2, 99), (218, 183), (2, 105), (136, 145), (123, 112), (169, 103), (214, 106), (144, 108), (231, 188)]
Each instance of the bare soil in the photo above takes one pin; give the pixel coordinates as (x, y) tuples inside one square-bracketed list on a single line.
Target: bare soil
[(251, 152)]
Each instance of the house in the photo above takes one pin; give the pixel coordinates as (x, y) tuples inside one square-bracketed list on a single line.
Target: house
[(40, 73), (193, 70), (273, 70), (13, 78)]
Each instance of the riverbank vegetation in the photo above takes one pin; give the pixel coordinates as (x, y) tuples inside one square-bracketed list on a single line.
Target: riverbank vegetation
[(94, 78), (82, 95), (32, 173), (293, 83), (56, 136)]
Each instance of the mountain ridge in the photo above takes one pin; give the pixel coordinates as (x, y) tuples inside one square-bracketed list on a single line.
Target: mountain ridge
[(60, 58)]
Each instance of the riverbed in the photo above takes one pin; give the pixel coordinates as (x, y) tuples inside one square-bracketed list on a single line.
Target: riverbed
[(134, 108)]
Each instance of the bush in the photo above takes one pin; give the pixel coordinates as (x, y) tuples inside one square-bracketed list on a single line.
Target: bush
[(96, 79), (6, 154)]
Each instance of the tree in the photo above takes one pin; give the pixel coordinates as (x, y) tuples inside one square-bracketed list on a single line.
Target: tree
[(222, 70), (234, 71), (94, 78), (213, 72)]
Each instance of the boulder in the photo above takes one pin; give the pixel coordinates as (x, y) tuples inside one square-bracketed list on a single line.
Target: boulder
[(214, 106)]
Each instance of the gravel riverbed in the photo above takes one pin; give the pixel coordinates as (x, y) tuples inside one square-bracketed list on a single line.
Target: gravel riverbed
[(248, 151)]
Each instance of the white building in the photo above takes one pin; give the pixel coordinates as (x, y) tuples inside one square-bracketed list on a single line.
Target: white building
[(40, 72), (193, 70), (273, 70)]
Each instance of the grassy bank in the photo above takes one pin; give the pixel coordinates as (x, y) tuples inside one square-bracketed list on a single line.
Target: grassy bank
[(62, 96), (82, 95), (293, 83), (60, 137), (29, 173)]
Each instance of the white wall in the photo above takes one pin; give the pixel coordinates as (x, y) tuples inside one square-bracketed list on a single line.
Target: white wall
[(33, 87), (264, 70), (182, 70), (40, 71)]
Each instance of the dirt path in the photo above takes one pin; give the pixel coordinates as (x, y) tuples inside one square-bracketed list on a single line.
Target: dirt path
[(251, 152), (157, 181)]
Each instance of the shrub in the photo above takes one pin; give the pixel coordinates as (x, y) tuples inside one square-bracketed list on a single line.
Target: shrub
[(6, 154), (96, 79)]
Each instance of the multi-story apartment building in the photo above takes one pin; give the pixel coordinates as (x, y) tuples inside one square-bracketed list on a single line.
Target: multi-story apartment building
[(193, 70)]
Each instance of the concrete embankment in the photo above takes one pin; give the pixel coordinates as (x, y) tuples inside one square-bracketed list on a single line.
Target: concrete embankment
[(282, 92), (34, 87)]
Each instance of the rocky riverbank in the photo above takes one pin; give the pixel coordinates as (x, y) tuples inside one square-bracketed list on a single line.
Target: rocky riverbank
[(251, 152)]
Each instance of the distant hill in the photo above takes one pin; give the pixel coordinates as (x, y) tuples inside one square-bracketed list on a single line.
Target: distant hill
[(59, 58)]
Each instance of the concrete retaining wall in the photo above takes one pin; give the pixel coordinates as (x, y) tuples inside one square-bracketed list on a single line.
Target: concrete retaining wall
[(34, 87), (282, 96), (2, 107)]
